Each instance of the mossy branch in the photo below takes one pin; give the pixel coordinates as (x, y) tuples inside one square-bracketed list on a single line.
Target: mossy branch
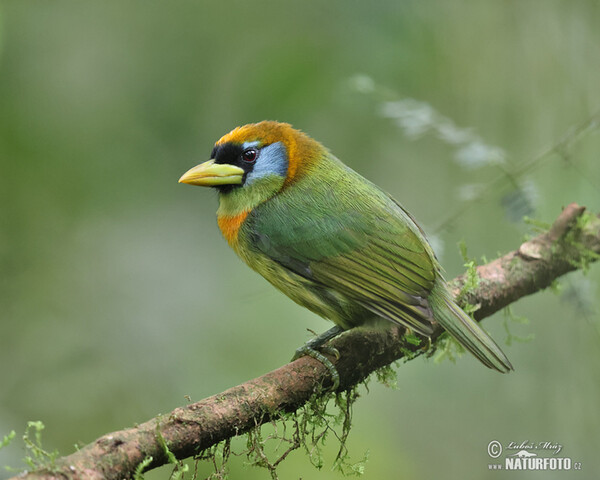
[(572, 243)]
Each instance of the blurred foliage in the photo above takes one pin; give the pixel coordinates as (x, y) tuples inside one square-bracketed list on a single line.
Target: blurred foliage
[(118, 296)]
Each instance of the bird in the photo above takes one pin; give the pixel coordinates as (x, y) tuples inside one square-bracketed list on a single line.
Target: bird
[(331, 240)]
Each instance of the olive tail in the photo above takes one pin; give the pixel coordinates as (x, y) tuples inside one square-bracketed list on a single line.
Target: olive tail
[(465, 330)]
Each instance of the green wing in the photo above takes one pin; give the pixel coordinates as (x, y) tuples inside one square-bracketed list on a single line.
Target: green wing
[(345, 234)]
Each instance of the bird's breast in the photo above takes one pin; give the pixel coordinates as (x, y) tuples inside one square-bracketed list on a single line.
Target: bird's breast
[(230, 226)]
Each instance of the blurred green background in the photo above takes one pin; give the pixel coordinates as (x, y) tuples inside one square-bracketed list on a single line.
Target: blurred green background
[(117, 294)]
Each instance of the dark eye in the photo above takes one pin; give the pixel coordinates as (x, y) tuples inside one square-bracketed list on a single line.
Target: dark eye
[(249, 155)]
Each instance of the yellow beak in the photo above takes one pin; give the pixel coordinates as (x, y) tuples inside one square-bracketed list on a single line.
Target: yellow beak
[(209, 174)]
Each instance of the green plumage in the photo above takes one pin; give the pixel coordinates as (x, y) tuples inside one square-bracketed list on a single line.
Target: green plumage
[(330, 239), (341, 247)]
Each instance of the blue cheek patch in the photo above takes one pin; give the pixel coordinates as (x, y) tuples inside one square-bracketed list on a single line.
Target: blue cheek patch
[(272, 160)]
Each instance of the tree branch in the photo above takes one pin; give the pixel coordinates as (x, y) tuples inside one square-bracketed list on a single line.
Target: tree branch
[(572, 243)]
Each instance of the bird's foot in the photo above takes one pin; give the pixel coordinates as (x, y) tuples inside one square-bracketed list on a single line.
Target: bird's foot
[(329, 350), (310, 349), (306, 350)]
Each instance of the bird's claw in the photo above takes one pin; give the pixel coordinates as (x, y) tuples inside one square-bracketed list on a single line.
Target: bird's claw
[(307, 350), (334, 352)]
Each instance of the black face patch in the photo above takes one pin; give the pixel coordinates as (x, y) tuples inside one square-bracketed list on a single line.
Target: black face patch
[(231, 154)]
